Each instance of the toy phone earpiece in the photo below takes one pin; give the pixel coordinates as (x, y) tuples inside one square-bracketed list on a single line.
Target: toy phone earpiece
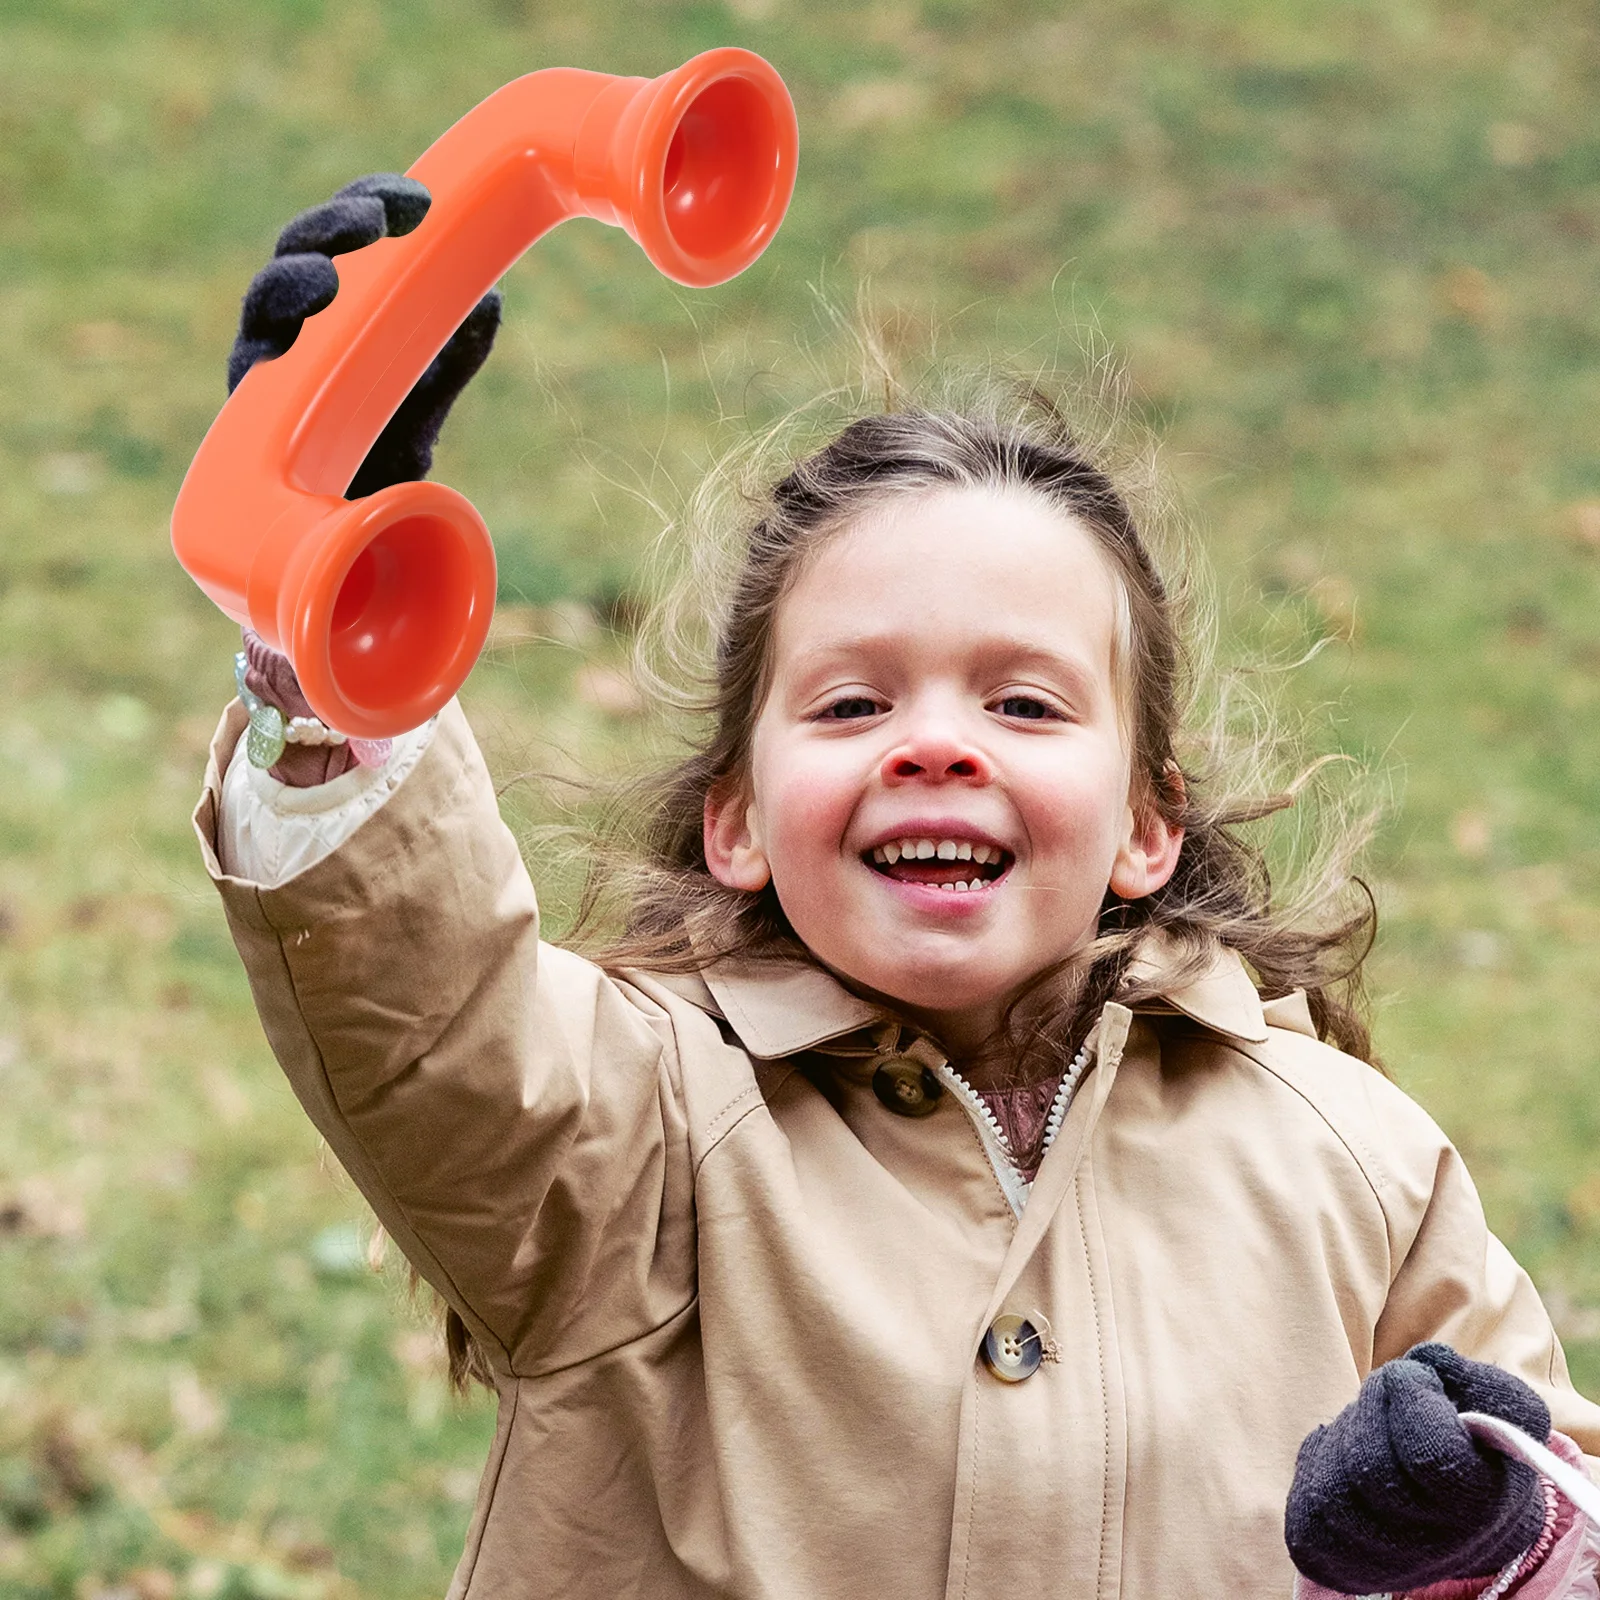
[(383, 603)]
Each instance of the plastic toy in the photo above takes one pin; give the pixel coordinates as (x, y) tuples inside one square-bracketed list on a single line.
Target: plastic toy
[(1512, 1441), (383, 603)]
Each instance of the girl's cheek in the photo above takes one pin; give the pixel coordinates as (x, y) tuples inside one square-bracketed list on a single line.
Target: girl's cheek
[(809, 813)]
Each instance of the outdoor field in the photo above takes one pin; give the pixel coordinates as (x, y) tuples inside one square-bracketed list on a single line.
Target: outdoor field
[(1349, 256)]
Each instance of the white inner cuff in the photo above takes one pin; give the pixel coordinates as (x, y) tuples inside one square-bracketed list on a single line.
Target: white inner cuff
[(269, 832)]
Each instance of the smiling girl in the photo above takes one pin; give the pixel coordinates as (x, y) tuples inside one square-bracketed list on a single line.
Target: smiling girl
[(958, 1178), (939, 784)]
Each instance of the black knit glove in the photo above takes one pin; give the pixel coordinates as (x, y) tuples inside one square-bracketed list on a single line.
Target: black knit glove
[(300, 280), (1395, 1494)]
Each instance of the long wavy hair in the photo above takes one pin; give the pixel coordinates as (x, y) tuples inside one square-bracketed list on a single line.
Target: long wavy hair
[(651, 902)]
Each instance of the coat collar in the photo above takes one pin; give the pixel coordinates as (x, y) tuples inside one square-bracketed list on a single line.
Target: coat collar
[(781, 1006), (1220, 996)]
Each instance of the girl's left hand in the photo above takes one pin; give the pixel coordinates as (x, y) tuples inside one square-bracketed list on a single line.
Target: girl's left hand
[(301, 280), (1395, 1494)]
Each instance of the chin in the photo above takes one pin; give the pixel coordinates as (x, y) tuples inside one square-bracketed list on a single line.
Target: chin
[(940, 989)]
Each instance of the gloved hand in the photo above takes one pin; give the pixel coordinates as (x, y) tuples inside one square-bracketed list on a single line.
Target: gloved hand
[(299, 281), (1395, 1494)]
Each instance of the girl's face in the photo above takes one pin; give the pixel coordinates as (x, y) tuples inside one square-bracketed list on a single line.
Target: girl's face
[(939, 789)]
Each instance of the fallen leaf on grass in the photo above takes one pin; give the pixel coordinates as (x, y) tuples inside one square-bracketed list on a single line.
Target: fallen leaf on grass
[(876, 102), (48, 1464), (125, 718), (97, 341), (153, 1583), (224, 1558), (69, 472), (226, 1095), (1471, 834), (148, 1583), (301, 1548), (62, 1453), (257, 1580), (1479, 950), (195, 1409), (460, 1485), (161, 1324), (1527, 625), (1585, 523), (1511, 144), (420, 1351), (1584, 1200), (1473, 295), (41, 1208), (84, 912)]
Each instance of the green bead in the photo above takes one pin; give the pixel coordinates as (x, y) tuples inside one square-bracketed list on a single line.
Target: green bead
[(266, 739)]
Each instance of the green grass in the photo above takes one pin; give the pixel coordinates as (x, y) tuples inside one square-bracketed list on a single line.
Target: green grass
[(1348, 251)]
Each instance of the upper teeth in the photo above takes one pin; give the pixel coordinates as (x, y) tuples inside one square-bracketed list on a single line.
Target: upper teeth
[(942, 849)]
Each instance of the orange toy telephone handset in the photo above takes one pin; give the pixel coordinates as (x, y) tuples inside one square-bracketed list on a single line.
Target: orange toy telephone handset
[(383, 603)]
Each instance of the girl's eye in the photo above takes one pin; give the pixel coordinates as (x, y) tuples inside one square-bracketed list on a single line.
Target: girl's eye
[(1026, 708), (855, 705)]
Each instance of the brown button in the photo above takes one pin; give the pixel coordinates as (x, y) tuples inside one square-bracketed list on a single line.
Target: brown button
[(1012, 1348), (908, 1088)]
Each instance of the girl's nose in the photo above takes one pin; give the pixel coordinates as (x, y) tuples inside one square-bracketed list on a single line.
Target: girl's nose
[(938, 754)]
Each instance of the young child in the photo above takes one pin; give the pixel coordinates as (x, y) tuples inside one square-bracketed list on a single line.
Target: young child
[(922, 1198)]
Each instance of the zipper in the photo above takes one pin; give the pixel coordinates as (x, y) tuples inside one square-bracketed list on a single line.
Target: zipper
[(992, 1136)]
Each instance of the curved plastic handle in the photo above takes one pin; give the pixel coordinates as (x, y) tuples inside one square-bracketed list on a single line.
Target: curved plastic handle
[(1510, 1439), (383, 603)]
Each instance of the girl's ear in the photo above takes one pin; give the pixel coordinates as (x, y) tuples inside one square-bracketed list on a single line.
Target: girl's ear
[(733, 846), (1149, 855)]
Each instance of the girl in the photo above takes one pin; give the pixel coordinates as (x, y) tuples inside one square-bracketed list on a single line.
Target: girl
[(925, 1196)]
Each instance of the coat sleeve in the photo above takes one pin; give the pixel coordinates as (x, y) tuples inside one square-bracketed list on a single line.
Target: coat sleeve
[(513, 1115), (1451, 1279)]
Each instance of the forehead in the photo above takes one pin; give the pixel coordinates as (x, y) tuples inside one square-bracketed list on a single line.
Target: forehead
[(951, 570)]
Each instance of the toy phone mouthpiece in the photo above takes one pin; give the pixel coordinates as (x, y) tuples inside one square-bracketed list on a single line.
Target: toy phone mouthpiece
[(383, 603)]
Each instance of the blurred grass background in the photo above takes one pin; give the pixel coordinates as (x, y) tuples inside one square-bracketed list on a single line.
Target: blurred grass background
[(1351, 255)]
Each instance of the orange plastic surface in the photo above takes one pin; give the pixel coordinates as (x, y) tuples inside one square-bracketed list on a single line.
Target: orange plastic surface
[(383, 603)]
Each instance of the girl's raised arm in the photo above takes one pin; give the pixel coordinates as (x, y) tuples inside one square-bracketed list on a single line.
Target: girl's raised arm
[(501, 1104), (511, 1113)]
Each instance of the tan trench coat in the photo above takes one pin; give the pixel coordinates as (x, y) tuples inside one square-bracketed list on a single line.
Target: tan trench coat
[(734, 1304)]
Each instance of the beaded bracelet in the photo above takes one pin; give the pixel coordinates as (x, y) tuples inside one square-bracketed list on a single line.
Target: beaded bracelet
[(271, 732)]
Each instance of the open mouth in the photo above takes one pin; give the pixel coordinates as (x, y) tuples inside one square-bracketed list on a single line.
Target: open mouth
[(959, 864)]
